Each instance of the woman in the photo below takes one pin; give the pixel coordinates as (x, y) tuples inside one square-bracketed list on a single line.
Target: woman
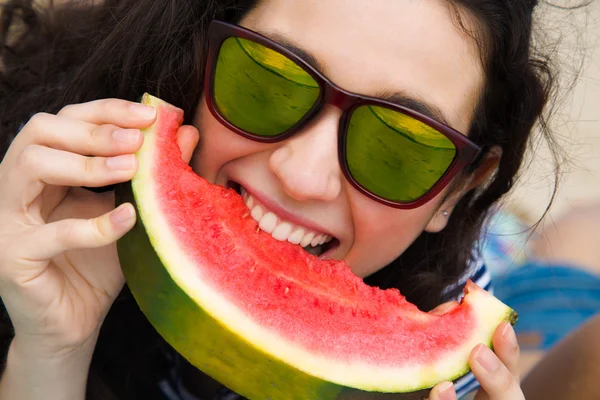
[(457, 78)]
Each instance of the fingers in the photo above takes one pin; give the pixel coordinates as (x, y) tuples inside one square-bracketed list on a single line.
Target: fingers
[(39, 165), (187, 139), (73, 234), (76, 136), (57, 150), (506, 347), (496, 379), (443, 391), (60, 130), (119, 112)]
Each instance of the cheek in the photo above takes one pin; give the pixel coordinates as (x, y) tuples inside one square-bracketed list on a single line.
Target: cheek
[(217, 146), (383, 233), (380, 233)]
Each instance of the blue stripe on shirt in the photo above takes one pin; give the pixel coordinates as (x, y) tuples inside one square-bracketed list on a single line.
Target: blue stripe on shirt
[(480, 276)]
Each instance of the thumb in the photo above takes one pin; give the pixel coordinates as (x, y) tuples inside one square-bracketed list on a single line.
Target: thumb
[(187, 139)]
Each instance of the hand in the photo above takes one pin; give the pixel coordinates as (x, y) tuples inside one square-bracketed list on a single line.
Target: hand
[(497, 373), (59, 270)]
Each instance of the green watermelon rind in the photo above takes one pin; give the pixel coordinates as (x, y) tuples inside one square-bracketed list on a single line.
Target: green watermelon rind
[(202, 336), (197, 335)]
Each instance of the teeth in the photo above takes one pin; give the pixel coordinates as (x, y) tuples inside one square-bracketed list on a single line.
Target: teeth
[(250, 202), (297, 236), (268, 222), (283, 230), (257, 212), (307, 239), (316, 240)]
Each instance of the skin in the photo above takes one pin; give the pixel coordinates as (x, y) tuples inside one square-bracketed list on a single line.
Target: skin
[(570, 370), (60, 272), (302, 174)]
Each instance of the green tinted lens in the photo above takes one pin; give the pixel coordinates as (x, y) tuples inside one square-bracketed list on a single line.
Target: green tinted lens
[(395, 156), (259, 90)]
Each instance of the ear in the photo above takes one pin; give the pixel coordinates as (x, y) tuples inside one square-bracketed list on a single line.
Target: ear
[(482, 173)]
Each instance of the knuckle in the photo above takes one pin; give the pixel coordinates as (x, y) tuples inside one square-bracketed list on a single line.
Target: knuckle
[(67, 110), (89, 166), (94, 134), (29, 157), (108, 106), (115, 103), (37, 123), (506, 382), (100, 236), (103, 131)]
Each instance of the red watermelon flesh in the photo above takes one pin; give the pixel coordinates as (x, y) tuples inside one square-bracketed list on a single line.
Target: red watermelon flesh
[(315, 316)]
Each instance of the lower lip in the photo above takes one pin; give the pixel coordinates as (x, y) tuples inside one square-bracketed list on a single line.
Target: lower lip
[(281, 213), (326, 255)]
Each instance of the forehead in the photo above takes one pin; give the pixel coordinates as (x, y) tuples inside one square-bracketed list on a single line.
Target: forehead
[(411, 46)]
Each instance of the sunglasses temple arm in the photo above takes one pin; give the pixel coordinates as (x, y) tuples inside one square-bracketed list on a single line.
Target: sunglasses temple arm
[(478, 158)]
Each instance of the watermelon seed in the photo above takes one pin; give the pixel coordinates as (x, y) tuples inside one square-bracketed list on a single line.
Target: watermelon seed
[(287, 290), (245, 215), (257, 229)]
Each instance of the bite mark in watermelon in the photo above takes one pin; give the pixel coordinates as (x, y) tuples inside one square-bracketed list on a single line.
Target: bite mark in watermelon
[(264, 317)]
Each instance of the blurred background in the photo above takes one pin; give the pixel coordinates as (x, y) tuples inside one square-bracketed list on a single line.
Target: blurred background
[(569, 31), (551, 275), (577, 120)]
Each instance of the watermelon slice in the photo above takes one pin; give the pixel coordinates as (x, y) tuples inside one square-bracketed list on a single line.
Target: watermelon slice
[(264, 317)]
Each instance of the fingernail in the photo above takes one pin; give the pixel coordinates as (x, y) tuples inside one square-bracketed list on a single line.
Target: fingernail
[(508, 334), (487, 359), (126, 135), (122, 215), (446, 391), (124, 162), (143, 111)]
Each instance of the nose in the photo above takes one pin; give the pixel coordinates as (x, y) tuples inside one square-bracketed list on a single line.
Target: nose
[(307, 163)]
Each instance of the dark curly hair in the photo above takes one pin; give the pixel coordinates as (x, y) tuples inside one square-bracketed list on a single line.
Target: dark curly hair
[(79, 51)]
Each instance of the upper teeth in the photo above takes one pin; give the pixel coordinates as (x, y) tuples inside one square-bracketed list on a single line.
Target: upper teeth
[(279, 228)]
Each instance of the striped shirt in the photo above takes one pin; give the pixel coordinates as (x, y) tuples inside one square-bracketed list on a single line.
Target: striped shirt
[(173, 389)]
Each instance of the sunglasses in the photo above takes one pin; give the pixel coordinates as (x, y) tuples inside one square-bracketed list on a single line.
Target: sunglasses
[(390, 153)]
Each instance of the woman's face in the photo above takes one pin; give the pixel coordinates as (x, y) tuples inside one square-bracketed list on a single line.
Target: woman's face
[(413, 47)]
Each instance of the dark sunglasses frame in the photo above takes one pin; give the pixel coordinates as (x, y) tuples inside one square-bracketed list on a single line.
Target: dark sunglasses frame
[(467, 152)]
